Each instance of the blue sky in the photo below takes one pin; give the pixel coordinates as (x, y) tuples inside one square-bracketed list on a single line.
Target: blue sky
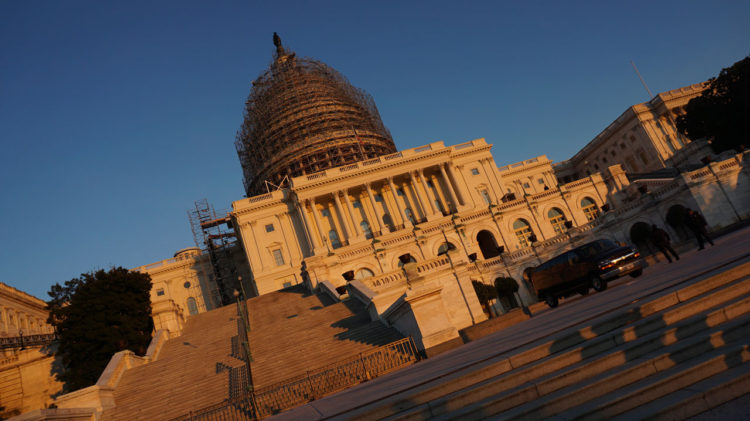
[(116, 116)]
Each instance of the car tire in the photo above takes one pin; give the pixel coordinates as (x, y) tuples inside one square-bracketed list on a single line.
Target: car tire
[(551, 301), (598, 283), (636, 273)]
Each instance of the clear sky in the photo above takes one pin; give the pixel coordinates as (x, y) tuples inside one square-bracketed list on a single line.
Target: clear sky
[(116, 116)]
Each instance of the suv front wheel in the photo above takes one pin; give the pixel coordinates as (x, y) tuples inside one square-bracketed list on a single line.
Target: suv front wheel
[(598, 283), (551, 301)]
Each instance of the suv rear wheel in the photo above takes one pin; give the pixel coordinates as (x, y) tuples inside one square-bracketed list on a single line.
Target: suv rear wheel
[(551, 301), (636, 273), (598, 283)]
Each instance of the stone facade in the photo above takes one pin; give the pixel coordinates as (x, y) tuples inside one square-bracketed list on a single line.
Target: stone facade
[(642, 139), (26, 380)]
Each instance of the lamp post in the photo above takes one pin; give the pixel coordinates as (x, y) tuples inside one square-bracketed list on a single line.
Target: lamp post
[(245, 338)]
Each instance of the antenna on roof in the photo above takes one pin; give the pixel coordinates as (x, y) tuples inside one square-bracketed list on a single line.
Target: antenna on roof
[(650, 95)]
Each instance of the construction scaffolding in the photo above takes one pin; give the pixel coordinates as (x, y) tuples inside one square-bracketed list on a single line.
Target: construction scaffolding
[(214, 234), (303, 117)]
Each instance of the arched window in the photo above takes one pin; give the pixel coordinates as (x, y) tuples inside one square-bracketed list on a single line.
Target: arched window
[(589, 209), (192, 306), (366, 229), (363, 274), (557, 220), (444, 248), (487, 244), (523, 231), (411, 260), (334, 237)]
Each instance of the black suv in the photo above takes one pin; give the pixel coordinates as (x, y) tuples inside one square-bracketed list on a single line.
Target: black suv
[(577, 270)]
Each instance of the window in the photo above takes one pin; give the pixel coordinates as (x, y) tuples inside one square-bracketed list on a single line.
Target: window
[(186, 284), (159, 292), (192, 306), (526, 185), (378, 198), (278, 257), (557, 220), (411, 260), (325, 212), (286, 285), (642, 155), (410, 216), (522, 229), (622, 146), (429, 184), (604, 159), (596, 166), (269, 228), (400, 192), (612, 152), (334, 237), (366, 229), (357, 204), (589, 209), (363, 273), (485, 196), (439, 206), (474, 171), (540, 180), (388, 221), (444, 248)]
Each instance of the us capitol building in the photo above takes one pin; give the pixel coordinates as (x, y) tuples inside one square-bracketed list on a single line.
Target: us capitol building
[(332, 204)]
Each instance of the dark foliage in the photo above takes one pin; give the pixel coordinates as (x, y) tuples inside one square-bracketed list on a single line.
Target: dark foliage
[(721, 112), (97, 315), (505, 286)]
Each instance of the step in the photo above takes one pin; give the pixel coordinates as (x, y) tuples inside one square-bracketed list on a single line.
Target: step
[(551, 352), (696, 399), (516, 388)]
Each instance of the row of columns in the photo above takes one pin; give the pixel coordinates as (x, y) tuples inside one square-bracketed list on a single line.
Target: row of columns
[(11, 318), (425, 200)]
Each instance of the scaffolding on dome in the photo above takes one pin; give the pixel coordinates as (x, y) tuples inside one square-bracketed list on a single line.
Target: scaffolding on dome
[(214, 235), (302, 117)]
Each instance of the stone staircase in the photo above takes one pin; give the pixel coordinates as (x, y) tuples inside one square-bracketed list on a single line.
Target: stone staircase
[(292, 331), (674, 356)]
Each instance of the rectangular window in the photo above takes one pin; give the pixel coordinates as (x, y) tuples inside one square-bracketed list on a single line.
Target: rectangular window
[(287, 284), (540, 181), (278, 257), (325, 212), (526, 185), (269, 228), (400, 192), (378, 198), (159, 292), (357, 204), (429, 184), (474, 171)]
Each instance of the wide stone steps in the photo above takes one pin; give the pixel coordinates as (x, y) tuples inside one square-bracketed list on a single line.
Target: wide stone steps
[(196, 364), (504, 384), (302, 333)]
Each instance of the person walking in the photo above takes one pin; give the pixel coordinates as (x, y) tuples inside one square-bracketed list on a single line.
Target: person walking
[(661, 240), (697, 224)]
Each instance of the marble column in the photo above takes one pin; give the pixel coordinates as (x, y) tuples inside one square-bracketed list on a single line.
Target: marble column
[(312, 240), (355, 225), (450, 188), (343, 218), (323, 235), (394, 192), (420, 198), (487, 168), (426, 188), (377, 225), (466, 188)]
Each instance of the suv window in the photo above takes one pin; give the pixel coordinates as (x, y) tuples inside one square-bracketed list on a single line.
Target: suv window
[(592, 249)]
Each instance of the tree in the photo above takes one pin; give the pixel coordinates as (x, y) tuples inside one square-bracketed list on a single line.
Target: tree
[(485, 293), (95, 316), (721, 112)]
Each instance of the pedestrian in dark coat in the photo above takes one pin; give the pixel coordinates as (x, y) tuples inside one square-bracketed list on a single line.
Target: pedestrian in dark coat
[(661, 240), (697, 224)]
